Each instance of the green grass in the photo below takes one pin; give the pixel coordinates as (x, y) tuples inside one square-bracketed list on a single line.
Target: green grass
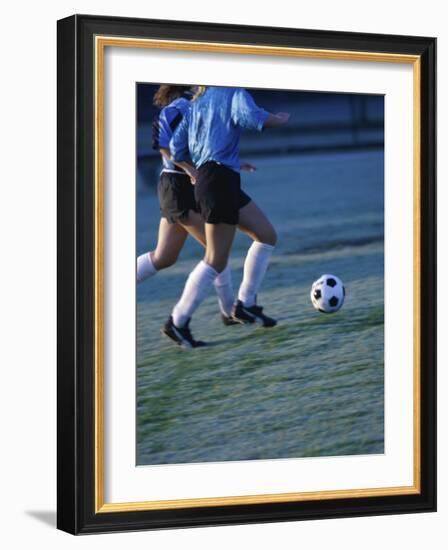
[(311, 386)]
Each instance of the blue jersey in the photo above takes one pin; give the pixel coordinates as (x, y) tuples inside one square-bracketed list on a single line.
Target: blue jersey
[(166, 122), (210, 129)]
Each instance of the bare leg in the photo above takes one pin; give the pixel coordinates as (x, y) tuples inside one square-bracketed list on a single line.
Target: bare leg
[(170, 241), (223, 282), (172, 238), (219, 237), (195, 226), (255, 223)]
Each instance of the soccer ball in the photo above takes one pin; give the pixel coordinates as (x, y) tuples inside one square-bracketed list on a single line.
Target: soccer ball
[(327, 294)]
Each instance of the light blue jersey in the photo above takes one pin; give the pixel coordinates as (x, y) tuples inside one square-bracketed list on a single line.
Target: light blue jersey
[(210, 130)]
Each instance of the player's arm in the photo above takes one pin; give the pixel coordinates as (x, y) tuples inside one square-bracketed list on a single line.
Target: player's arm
[(189, 169), (179, 151), (247, 167), (277, 120), (247, 114), (170, 120), (187, 166), (178, 144)]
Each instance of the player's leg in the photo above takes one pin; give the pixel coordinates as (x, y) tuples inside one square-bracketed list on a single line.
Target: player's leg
[(219, 238), (254, 223), (170, 241), (194, 224), (216, 195)]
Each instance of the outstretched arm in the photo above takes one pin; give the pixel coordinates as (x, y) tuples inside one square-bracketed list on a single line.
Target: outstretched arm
[(247, 167), (247, 114), (277, 120)]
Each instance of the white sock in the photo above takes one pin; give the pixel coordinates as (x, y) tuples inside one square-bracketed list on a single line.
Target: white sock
[(255, 266), (145, 267), (224, 290), (196, 288)]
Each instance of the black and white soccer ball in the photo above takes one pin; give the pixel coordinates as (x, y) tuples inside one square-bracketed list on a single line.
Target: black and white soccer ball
[(328, 294)]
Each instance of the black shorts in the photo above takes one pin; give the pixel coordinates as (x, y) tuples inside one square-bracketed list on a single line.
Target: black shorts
[(176, 196), (218, 194)]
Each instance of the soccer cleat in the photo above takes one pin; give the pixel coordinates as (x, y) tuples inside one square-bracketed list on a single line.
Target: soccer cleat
[(181, 335), (229, 320), (252, 314)]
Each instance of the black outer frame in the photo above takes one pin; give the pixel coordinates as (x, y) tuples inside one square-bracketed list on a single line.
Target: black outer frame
[(75, 172)]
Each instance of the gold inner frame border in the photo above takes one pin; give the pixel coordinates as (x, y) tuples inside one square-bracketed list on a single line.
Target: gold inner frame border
[(101, 42)]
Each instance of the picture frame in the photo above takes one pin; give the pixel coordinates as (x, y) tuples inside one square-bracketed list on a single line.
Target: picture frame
[(82, 41)]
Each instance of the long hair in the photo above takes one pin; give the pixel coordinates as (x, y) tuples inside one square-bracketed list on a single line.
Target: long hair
[(167, 93), (199, 91)]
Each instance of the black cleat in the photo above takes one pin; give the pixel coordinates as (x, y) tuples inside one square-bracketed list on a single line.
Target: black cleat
[(228, 321), (252, 314), (182, 336)]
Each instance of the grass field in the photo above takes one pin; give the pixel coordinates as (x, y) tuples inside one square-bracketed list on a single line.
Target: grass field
[(313, 385)]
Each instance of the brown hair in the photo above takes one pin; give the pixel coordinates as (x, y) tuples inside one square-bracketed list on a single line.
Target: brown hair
[(167, 93), (200, 90)]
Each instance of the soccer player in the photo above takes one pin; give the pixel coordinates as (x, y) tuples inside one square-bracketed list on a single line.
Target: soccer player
[(179, 215), (209, 134)]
